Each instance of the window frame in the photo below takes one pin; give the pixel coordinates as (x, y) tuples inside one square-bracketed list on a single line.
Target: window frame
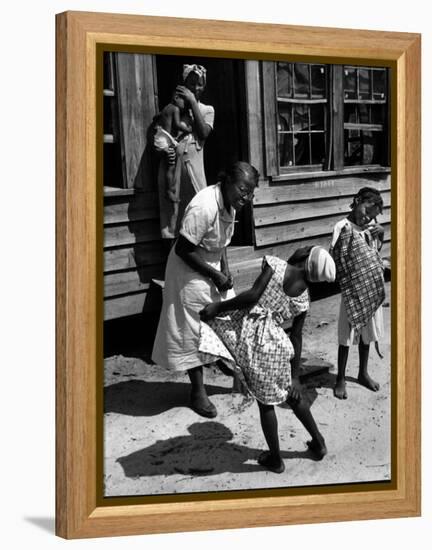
[(308, 101), (334, 136), (384, 127)]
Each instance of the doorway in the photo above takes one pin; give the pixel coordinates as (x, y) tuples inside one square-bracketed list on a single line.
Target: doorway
[(228, 142)]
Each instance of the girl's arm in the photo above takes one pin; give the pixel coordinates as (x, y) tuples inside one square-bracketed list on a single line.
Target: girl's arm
[(179, 124), (246, 299), (188, 252), (201, 127), (296, 337)]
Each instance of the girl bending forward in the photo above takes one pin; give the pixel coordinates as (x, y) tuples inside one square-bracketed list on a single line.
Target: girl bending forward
[(251, 338)]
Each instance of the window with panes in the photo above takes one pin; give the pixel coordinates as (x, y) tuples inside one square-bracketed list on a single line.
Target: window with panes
[(302, 111), (365, 115), (327, 117)]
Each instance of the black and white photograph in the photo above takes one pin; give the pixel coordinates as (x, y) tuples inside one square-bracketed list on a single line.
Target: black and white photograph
[(246, 274)]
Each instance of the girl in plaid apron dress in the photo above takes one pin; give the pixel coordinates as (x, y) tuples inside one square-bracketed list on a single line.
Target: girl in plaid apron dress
[(355, 248), (250, 339)]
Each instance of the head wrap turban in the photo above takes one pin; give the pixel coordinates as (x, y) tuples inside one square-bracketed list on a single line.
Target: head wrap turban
[(320, 266), (197, 69)]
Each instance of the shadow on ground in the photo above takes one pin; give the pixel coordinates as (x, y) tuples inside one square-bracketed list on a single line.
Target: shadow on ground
[(208, 450), (140, 398)]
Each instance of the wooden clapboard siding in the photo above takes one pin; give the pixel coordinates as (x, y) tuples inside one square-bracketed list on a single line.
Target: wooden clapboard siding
[(385, 251), (245, 265), (129, 257), (131, 233), (303, 229), (338, 113), (133, 252), (136, 207), (271, 214), (241, 254), (270, 137), (287, 214), (245, 273), (137, 107), (123, 306), (254, 109), (135, 280), (340, 186)]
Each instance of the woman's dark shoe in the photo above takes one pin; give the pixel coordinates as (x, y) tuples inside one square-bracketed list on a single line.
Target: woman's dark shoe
[(208, 411)]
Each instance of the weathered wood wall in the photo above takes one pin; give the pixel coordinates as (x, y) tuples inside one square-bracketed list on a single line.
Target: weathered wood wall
[(286, 217), (133, 251), (287, 214), (302, 213)]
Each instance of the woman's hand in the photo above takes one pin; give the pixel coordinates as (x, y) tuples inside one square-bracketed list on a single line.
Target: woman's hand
[(222, 282), (185, 94), (209, 312), (228, 275)]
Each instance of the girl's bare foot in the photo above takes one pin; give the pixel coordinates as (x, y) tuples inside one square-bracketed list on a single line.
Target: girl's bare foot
[(317, 448), (340, 389), (365, 380), (268, 461)]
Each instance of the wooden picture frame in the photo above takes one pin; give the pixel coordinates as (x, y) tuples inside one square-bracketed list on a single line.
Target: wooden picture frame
[(79, 511)]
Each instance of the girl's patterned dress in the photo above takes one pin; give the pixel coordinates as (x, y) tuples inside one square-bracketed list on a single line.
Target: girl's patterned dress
[(253, 342)]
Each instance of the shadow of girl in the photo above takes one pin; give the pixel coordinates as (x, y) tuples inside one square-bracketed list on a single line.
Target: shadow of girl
[(208, 450)]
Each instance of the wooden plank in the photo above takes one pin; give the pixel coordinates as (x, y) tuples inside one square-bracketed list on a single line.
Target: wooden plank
[(363, 126), (283, 250), (137, 108), (302, 229), (140, 206), (136, 280), (129, 257), (239, 253), (134, 232), (254, 117), (336, 118), (117, 192), (302, 101), (311, 173), (278, 213), (270, 128), (62, 328), (320, 188), (244, 273), (123, 306), (385, 251)]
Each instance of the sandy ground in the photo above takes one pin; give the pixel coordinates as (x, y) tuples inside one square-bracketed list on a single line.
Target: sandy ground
[(154, 444)]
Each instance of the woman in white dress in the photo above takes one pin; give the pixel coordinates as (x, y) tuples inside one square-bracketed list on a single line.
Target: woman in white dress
[(197, 273)]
